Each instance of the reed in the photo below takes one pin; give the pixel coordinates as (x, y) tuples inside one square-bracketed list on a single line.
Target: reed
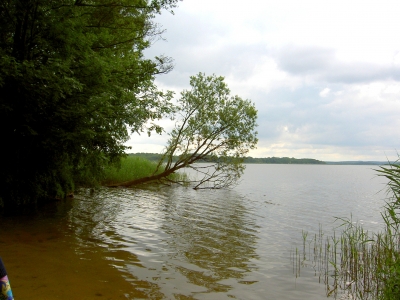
[(134, 167), (357, 264), (354, 265)]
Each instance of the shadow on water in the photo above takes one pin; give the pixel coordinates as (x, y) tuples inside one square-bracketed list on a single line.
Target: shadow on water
[(130, 244)]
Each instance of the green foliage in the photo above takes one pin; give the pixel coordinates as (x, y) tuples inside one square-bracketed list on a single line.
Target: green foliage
[(390, 273), (73, 83), (214, 127)]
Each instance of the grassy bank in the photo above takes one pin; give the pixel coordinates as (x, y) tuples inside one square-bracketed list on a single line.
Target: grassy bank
[(134, 167), (357, 264)]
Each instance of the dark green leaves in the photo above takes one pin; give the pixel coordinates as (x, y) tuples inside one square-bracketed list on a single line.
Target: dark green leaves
[(73, 84)]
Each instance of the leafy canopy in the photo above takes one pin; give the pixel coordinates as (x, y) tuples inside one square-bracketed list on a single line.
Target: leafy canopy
[(214, 127), (73, 83)]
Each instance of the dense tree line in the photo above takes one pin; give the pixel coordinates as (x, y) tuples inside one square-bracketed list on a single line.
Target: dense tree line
[(73, 84), (282, 160), (247, 159), (150, 156)]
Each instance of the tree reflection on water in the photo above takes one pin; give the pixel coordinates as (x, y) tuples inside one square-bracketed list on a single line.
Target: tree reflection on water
[(213, 238), (132, 243)]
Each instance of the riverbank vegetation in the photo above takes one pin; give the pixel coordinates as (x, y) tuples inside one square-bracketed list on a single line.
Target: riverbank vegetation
[(357, 264), (134, 167)]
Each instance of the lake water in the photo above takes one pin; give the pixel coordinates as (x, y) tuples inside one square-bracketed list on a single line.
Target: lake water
[(177, 243)]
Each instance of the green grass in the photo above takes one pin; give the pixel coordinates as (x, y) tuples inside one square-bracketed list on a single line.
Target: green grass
[(134, 167)]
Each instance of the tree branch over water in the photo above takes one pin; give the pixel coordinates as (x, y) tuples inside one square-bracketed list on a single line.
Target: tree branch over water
[(211, 126)]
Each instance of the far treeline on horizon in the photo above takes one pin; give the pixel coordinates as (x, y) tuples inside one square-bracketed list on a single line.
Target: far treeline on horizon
[(277, 160)]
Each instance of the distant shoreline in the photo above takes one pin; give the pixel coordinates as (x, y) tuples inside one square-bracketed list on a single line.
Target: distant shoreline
[(355, 163), (280, 160)]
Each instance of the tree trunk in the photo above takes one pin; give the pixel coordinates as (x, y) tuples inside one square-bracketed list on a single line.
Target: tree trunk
[(144, 179)]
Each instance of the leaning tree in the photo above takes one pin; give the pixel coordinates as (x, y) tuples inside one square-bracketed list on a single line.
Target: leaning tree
[(213, 133)]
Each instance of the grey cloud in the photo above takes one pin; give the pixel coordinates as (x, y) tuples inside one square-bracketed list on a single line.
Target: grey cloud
[(183, 32), (321, 64), (360, 73), (197, 45), (239, 60), (314, 121), (303, 61)]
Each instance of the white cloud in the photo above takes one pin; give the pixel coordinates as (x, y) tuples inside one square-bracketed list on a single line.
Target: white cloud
[(325, 92)]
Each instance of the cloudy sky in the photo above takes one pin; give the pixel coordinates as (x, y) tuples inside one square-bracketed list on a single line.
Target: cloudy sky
[(324, 75)]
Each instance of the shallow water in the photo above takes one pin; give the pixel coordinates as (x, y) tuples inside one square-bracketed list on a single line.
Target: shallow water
[(177, 243)]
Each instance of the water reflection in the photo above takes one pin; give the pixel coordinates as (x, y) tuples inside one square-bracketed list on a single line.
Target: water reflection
[(97, 226), (212, 238), (127, 244), (181, 242), (177, 243), (69, 250)]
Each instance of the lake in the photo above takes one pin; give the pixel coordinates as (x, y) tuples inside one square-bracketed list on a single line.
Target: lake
[(177, 243)]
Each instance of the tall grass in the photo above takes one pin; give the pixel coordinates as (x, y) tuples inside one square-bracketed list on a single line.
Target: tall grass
[(134, 167), (357, 264)]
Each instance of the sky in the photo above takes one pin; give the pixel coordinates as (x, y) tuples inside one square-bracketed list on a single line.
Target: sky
[(324, 75)]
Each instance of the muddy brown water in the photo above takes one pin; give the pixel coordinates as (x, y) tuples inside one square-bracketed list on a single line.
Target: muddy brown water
[(177, 243)]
